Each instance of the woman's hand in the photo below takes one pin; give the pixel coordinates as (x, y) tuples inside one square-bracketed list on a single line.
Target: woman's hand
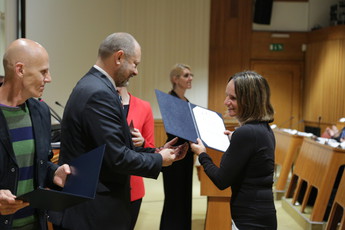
[(137, 138), (229, 133), (198, 147)]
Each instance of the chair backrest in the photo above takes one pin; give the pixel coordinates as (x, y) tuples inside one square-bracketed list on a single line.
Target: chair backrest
[(338, 207)]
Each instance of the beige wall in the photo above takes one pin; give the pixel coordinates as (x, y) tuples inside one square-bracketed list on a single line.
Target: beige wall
[(168, 31), (7, 26)]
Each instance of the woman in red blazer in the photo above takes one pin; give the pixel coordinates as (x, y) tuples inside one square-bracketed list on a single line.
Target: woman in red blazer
[(140, 119)]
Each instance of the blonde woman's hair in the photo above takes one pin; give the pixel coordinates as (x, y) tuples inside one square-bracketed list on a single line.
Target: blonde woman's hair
[(177, 71)]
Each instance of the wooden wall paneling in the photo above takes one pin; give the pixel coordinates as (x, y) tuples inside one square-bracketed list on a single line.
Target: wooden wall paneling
[(292, 42), (339, 85), (284, 79), (160, 134), (324, 81), (230, 36), (326, 34), (284, 70), (312, 85)]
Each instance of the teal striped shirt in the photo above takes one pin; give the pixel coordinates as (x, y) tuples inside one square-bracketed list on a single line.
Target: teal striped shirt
[(21, 134)]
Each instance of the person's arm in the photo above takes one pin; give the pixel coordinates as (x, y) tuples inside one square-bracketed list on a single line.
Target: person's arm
[(103, 123), (233, 160)]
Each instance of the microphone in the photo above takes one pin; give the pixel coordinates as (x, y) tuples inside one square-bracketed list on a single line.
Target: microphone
[(320, 121), (292, 117), (296, 123), (52, 112), (58, 103), (55, 114)]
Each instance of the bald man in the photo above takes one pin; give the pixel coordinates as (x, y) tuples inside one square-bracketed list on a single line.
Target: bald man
[(25, 125)]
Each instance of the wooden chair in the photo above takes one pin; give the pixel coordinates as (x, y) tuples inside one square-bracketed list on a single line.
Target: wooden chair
[(55, 157), (287, 148), (317, 166), (337, 211)]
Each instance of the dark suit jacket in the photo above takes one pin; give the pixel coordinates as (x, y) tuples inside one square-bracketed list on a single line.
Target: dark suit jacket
[(92, 117), (44, 169)]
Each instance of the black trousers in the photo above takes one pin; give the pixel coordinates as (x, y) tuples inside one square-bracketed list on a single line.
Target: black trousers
[(135, 208), (178, 182)]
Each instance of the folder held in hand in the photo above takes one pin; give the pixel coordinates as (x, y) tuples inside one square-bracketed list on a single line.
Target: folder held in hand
[(80, 185), (189, 121)]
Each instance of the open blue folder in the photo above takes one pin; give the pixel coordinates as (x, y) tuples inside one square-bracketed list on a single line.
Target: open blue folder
[(189, 121), (80, 185)]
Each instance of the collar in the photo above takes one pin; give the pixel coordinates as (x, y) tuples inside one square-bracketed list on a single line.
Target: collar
[(106, 74)]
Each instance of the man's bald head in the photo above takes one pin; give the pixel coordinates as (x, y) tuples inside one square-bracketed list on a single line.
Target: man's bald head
[(24, 51), (26, 65)]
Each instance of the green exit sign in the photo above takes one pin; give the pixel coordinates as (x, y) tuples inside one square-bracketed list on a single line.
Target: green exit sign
[(276, 47)]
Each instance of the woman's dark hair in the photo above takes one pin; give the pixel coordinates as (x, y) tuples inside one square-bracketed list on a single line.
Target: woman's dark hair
[(253, 97)]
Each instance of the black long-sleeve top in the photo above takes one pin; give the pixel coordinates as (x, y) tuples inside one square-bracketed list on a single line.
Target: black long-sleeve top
[(247, 165)]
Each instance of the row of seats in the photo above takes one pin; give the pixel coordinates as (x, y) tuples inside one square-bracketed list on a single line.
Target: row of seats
[(316, 172)]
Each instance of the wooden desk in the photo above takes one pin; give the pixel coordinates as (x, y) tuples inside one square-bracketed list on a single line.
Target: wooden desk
[(55, 157), (317, 165), (287, 148), (218, 214)]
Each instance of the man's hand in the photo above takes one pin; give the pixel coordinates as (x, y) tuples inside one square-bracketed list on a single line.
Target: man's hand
[(168, 156), (61, 175), (9, 204), (173, 154), (137, 138)]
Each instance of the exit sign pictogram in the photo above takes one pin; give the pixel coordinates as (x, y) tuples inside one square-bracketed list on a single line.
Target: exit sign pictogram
[(276, 47)]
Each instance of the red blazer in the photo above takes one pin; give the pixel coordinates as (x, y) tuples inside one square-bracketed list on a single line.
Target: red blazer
[(140, 113)]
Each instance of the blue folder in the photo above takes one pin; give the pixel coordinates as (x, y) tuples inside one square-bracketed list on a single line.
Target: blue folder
[(178, 118), (80, 185)]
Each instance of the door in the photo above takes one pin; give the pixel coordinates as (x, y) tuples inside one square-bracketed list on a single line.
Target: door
[(284, 79)]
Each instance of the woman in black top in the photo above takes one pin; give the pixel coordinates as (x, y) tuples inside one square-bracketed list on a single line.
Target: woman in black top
[(248, 164)]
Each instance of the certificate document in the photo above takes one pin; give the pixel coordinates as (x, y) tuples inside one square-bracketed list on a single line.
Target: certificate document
[(211, 128), (189, 121)]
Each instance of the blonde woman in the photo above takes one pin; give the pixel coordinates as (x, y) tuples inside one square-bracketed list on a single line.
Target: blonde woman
[(177, 179)]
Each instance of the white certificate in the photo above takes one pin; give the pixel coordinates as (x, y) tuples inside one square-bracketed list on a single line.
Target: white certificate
[(211, 128)]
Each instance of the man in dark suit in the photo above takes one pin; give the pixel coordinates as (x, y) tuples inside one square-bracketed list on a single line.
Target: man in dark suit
[(94, 116)]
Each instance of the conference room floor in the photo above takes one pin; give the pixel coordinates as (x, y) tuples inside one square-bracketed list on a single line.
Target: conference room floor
[(152, 205)]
